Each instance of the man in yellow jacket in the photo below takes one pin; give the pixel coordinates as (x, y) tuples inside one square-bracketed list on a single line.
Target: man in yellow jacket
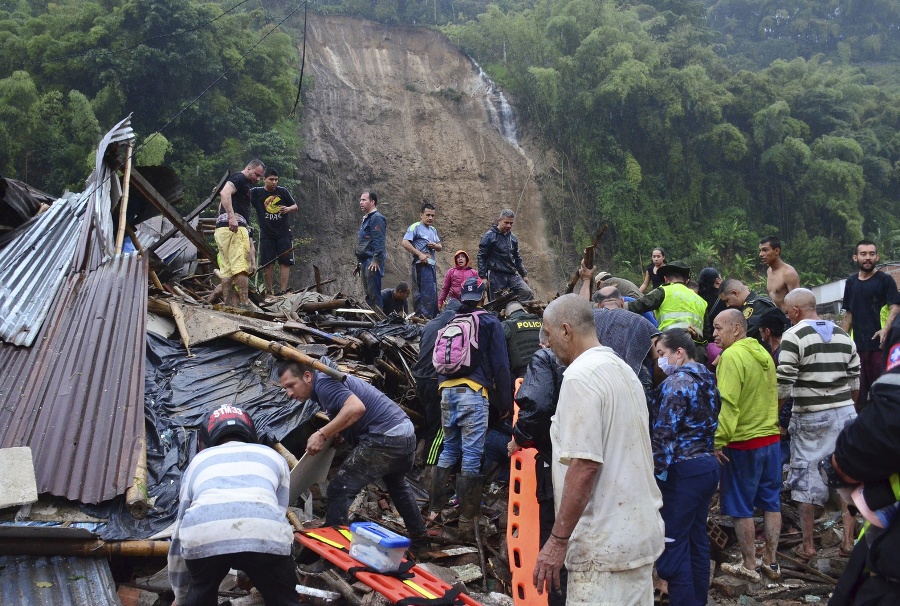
[(747, 442)]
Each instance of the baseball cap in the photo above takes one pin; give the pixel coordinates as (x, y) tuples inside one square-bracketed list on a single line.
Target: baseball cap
[(472, 289), (603, 275)]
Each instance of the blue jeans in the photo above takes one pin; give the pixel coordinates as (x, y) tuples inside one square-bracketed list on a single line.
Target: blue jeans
[(686, 495), (372, 284), (495, 452), (425, 279), (464, 415)]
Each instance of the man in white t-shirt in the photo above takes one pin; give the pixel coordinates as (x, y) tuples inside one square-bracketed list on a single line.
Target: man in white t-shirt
[(608, 529)]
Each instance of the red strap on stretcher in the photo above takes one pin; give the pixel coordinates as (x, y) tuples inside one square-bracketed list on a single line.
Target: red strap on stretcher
[(422, 585)]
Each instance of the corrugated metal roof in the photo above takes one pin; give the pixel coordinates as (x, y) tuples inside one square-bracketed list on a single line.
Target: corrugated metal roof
[(77, 397), (19, 201), (97, 241), (56, 581), (33, 265)]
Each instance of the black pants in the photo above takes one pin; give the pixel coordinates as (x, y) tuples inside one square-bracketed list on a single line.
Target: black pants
[(274, 576), (430, 397), (547, 515), (388, 458)]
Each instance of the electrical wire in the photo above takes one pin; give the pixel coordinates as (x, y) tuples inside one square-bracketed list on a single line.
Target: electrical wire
[(302, 65)]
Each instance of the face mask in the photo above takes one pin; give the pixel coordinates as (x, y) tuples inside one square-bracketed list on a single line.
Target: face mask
[(665, 366)]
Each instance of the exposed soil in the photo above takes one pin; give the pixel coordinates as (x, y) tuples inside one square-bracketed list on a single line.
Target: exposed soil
[(401, 110)]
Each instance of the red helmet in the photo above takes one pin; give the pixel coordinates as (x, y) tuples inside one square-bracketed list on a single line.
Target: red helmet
[(228, 421)]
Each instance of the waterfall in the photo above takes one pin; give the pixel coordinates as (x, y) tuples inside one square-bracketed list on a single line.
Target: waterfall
[(500, 112)]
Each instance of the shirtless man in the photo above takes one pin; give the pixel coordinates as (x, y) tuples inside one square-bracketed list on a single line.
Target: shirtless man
[(781, 278)]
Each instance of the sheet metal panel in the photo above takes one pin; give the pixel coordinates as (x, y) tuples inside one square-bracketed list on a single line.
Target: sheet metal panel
[(77, 396), (33, 265), (56, 581)]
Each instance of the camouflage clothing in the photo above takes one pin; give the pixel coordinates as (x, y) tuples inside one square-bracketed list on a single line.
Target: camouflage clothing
[(686, 407)]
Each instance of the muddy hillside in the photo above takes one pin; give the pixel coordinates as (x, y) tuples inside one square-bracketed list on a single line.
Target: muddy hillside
[(404, 112)]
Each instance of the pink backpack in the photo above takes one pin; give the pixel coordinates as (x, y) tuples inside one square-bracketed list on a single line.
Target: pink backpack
[(456, 352)]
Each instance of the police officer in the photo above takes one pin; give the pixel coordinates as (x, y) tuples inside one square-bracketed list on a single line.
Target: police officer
[(675, 305), (738, 295), (522, 332)]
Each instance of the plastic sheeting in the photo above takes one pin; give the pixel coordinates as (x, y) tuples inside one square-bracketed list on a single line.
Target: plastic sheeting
[(178, 391)]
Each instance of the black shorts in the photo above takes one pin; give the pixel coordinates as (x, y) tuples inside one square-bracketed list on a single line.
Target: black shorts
[(269, 249)]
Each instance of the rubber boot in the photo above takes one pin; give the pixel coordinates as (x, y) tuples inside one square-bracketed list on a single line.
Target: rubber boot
[(437, 487), (468, 488)]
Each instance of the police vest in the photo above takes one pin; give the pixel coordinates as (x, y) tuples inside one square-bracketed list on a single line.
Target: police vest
[(681, 307), (524, 339)]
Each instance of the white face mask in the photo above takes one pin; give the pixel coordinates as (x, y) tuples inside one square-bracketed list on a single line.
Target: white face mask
[(664, 365)]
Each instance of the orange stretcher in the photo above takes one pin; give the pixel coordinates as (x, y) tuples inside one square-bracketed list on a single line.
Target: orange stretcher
[(522, 536), (333, 544)]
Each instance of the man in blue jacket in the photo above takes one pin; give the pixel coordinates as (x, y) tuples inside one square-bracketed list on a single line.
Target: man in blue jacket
[(464, 412), (370, 248), (499, 260)]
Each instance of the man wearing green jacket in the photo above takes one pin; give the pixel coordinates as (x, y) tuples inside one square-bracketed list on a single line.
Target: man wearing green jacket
[(747, 442)]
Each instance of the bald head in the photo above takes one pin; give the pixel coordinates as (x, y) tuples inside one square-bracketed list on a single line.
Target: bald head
[(608, 297), (800, 304), (569, 327), (802, 298), (729, 326)]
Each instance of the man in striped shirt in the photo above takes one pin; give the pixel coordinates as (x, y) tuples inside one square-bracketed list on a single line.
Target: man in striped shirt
[(231, 514), (819, 367)]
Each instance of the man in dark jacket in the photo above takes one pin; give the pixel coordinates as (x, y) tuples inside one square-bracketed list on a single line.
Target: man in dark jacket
[(464, 411), (737, 295), (499, 260), (370, 248), (537, 398), (868, 450)]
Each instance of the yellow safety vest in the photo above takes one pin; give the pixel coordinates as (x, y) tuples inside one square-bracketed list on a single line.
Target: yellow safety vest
[(681, 307)]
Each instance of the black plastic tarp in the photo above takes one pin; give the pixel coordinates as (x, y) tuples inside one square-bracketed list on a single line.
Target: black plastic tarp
[(178, 391)]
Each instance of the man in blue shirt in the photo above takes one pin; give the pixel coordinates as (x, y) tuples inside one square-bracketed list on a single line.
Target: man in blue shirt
[(370, 248), (422, 241), (382, 437)]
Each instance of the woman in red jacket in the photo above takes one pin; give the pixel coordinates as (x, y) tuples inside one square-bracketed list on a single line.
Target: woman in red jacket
[(455, 277)]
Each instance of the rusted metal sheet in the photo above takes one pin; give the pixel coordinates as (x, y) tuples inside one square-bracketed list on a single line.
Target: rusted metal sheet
[(57, 581), (33, 265), (77, 396)]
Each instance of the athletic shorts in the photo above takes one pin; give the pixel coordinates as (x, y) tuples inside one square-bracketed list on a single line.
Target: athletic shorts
[(813, 435), (271, 248), (234, 251), (752, 479)]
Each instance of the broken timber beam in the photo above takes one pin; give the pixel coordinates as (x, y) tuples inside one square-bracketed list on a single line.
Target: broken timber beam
[(75, 547), (180, 223)]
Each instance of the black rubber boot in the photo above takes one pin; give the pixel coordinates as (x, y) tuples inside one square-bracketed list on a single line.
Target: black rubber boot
[(468, 489), (437, 488)]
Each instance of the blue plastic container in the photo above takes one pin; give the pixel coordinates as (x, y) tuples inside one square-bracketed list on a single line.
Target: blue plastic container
[(377, 547)]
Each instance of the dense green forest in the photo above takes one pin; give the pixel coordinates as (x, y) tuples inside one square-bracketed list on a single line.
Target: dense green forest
[(698, 126), (71, 68)]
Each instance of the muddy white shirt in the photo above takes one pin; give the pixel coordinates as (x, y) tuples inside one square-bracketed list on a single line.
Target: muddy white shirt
[(602, 416)]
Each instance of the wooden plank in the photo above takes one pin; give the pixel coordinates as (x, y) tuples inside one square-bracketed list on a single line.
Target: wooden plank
[(181, 221)]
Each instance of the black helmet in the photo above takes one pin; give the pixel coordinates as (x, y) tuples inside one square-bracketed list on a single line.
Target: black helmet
[(227, 421)]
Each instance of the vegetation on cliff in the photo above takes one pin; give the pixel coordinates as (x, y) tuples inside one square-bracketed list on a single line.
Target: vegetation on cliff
[(69, 67)]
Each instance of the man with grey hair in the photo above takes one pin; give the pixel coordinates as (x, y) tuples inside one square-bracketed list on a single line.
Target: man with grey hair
[(604, 489), (747, 443), (499, 261), (819, 367)]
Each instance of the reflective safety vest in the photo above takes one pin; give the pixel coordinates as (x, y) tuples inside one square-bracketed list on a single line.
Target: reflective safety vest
[(681, 307)]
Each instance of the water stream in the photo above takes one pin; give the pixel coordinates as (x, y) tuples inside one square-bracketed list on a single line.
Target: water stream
[(500, 112)]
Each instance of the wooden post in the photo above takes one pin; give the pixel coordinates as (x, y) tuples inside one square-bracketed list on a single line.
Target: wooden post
[(287, 454), (76, 547), (137, 500), (123, 203), (286, 352)]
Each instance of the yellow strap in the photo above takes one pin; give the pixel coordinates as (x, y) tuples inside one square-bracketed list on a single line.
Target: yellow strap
[(347, 534), (895, 485), (420, 590), (319, 537)]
